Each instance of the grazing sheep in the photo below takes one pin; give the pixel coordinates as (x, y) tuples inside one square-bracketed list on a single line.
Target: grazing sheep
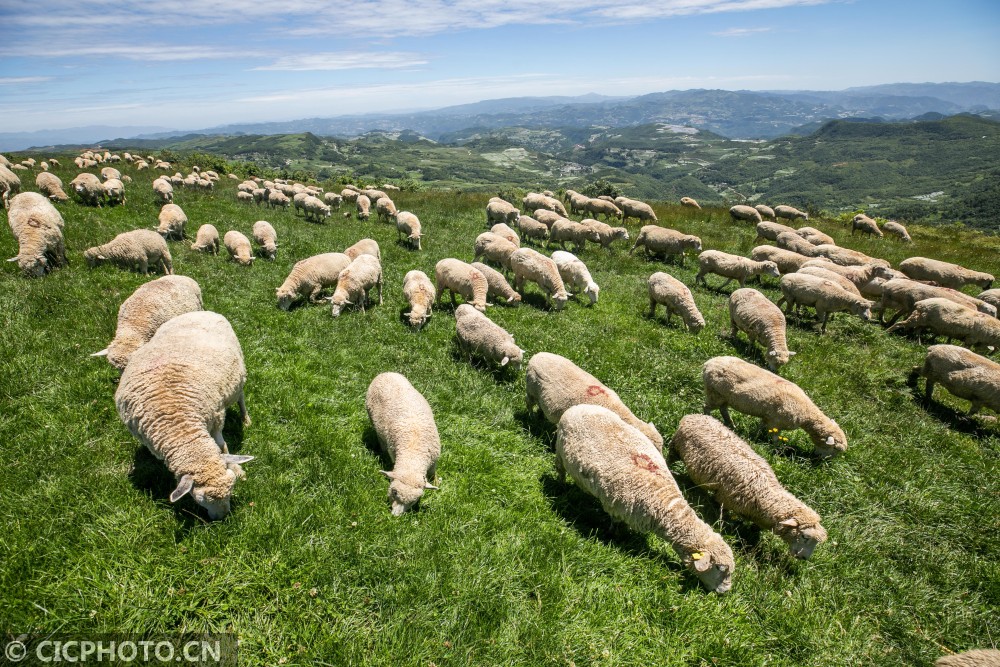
[(605, 232), (532, 229), (173, 396), (109, 173), (944, 317), (719, 461), (315, 209), (207, 239), (859, 276), (554, 384), (578, 203), (846, 256), (641, 211), (600, 207), (897, 230), (407, 224), (866, 225), (814, 236), (172, 221), (89, 189), (975, 658), (385, 209), (355, 283), (781, 404), (548, 218), (114, 191), (245, 197), (266, 238), (37, 227), (902, 295), (333, 199), (825, 273), (239, 248), (567, 230), (613, 462), (657, 240), (148, 307), (944, 273), (501, 229), (676, 298), (528, 264), (534, 201), (498, 285), (49, 185), (963, 373), (277, 199), (163, 190), (576, 277), (770, 230), (309, 276), (790, 213), (10, 183), (349, 195), (990, 296), (787, 261), (500, 211), (825, 296), (458, 277), (363, 205), (406, 430), (691, 203), (763, 322), (766, 212), (374, 195), (138, 249), (420, 294), (732, 267), (299, 200), (748, 213), (795, 243), (494, 248), (364, 247), (478, 335)]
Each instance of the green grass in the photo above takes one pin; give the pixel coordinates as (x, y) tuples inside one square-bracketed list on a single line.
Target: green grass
[(504, 565)]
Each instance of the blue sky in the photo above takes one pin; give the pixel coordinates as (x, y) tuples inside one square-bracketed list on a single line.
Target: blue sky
[(190, 65)]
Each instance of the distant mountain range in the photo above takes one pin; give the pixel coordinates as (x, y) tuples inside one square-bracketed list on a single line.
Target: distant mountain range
[(733, 114)]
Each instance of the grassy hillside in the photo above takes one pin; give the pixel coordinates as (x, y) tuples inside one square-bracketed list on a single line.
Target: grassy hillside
[(504, 564)]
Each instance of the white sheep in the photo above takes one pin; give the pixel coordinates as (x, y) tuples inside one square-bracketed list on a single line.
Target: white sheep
[(990, 296), (163, 190), (902, 295), (690, 203), (963, 373), (364, 247), (10, 183), (770, 230), (420, 294), (89, 189), (277, 199), (790, 213), (532, 229), (501, 229), (478, 335), (528, 264), (568, 230), (139, 249), (733, 383), (239, 248), (108, 173), (766, 212), (266, 238), (207, 239), (494, 248), (763, 322), (309, 276), (548, 218), (945, 274), (732, 267), (500, 211), (795, 243), (315, 209), (576, 277), (676, 298), (534, 201), (499, 288), (408, 225), (173, 396), (37, 227), (172, 220), (846, 256), (385, 209), (616, 464), (743, 212), (114, 191), (865, 225), (641, 211), (404, 424), (814, 236), (898, 230), (825, 296), (657, 240), (787, 261), (460, 278), (355, 283), (944, 317), (600, 207), (974, 658), (605, 232), (364, 206), (51, 186), (332, 199)]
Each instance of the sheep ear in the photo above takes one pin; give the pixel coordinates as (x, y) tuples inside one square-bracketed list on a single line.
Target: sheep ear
[(12, 259), (789, 523), (184, 486), (428, 485), (792, 354), (773, 353), (505, 361), (102, 353), (701, 562), (388, 473), (830, 440), (236, 458)]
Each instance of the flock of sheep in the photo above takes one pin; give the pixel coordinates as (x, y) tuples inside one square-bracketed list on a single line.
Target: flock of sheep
[(182, 366)]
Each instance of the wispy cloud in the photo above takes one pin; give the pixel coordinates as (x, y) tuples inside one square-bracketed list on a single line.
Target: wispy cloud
[(740, 32), (17, 80), (345, 60), (131, 52)]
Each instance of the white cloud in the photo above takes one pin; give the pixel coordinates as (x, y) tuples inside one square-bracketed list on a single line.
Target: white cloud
[(146, 53), (17, 80), (741, 32), (345, 60)]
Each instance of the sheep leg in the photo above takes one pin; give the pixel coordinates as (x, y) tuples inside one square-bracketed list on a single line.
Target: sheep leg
[(974, 408), (726, 418), (700, 278), (823, 315), (652, 308), (928, 390), (728, 280), (529, 402), (560, 470), (669, 313), (380, 290), (217, 436), (244, 415), (144, 267)]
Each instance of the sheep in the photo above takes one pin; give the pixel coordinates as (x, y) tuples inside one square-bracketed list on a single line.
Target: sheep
[(605, 232), (975, 658), (142, 313), (770, 230), (207, 239), (787, 261), (600, 207), (859, 276), (944, 273), (139, 249), (501, 229), (719, 461), (613, 462), (500, 211), (795, 243), (458, 277), (898, 230), (826, 274), (964, 374), (277, 199), (846, 256), (567, 230), (404, 424), (824, 295), (554, 384), (408, 224), (781, 404), (498, 285), (173, 396), (479, 335), (163, 190), (49, 185), (578, 203), (743, 212), (238, 246), (534, 201), (172, 220), (494, 248), (355, 283), (374, 195), (247, 186), (548, 218), (245, 197), (575, 275), (89, 189), (363, 205), (641, 211), (10, 183), (309, 276), (814, 236), (946, 318), (315, 209), (732, 267), (790, 213), (763, 322), (349, 195), (690, 203), (385, 209), (37, 227), (528, 264), (532, 229), (902, 295), (114, 191), (109, 173), (298, 201), (266, 238), (766, 212), (4, 162), (990, 296), (333, 199), (866, 225), (662, 241), (676, 298), (364, 247), (420, 294)]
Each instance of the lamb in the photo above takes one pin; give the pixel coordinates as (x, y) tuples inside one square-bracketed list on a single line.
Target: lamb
[(639, 210), (500, 211), (567, 230), (37, 226), (277, 199), (172, 221), (814, 236), (532, 229), (406, 430), (140, 315), (781, 404), (207, 239), (824, 295), (315, 209), (613, 462), (409, 225), (902, 295), (139, 249), (789, 213), (479, 335), (458, 277), (114, 191), (420, 294), (732, 267), (89, 189), (575, 275), (963, 373), (501, 229), (528, 264), (866, 225), (766, 212), (364, 247), (743, 212), (10, 183), (763, 322), (690, 203), (944, 273), (238, 246), (846, 256), (898, 230), (164, 190), (309, 276), (662, 241), (676, 298), (975, 658), (498, 285), (266, 238), (385, 209), (719, 461), (49, 185), (770, 230), (173, 396), (605, 232), (787, 261), (363, 205), (355, 283), (600, 207), (795, 243), (946, 318)]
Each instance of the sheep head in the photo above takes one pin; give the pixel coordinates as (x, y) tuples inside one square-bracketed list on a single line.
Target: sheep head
[(801, 539), (402, 495), (713, 566)]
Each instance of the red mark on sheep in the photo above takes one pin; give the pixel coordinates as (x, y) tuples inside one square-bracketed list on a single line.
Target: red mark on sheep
[(643, 461), (595, 390)]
